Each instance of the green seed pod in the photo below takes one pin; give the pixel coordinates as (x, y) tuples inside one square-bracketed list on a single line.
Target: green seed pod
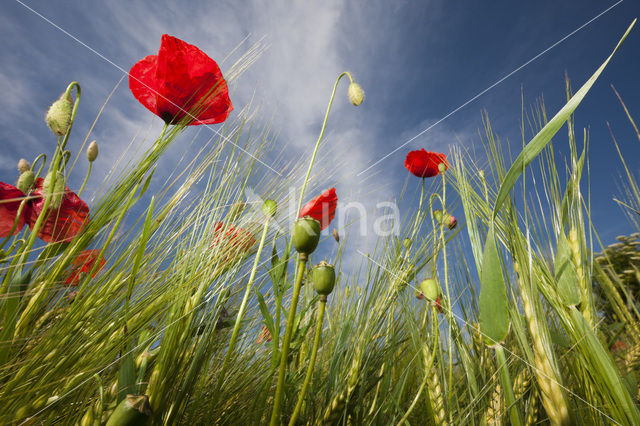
[(25, 181), (323, 276), (269, 208), (133, 410), (305, 235), (92, 151), (356, 94), (437, 215), (57, 191), (430, 289), (23, 165), (59, 115), (442, 167)]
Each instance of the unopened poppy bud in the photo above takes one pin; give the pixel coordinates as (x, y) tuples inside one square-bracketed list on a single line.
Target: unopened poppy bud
[(269, 208), (23, 166), (442, 167), (451, 222), (305, 234), (25, 181), (132, 410), (92, 151), (437, 215), (356, 94), (430, 289), (336, 236), (55, 191), (406, 243), (59, 115), (323, 276)]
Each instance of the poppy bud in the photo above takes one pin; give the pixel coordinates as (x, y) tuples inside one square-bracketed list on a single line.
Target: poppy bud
[(336, 236), (305, 234), (442, 167), (57, 191), (451, 221), (323, 276), (269, 208), (437, 215), (59, 115), (25, 181), (430, 289), (23, 165), (356, 94), (92, 151), (406, 243), (132, 410)]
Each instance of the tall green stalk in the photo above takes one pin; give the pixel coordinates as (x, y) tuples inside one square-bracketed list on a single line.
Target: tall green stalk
[(277, 401)]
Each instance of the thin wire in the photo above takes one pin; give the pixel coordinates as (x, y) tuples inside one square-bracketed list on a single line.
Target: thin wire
[(505, 349), (493, 85), (225, 138)]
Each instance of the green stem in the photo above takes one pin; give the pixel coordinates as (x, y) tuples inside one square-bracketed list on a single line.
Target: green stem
[(312, 361), (240, 314), (86, 178), (275, 414), (510, 399)]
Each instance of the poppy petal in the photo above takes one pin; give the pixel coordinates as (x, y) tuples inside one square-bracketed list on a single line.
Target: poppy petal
[(62, 223), (189, 80), (83, 264), (425, 163), (322, 208), (143, 83), (10, 199)]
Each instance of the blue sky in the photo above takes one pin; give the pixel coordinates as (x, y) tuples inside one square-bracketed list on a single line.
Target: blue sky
[(417, 62)]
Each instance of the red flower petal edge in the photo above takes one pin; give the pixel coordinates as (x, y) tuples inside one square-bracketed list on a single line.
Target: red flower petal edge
[(231, 238), (83, 264), (10, 199), (425, 163), (62, 223), (322, 208), (181, 78)]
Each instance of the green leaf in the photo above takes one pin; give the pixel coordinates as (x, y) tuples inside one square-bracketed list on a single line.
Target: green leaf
[(494, 314), (278, 267), (565, 273), (127, 376), (543, 137), (266, 315)]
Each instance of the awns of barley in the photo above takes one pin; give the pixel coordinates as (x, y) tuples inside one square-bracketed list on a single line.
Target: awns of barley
[(548, 380)]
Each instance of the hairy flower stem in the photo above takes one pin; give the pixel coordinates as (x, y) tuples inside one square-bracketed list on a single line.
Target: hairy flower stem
[(240, 314), (277, 401), (312, 361), (86, 178)]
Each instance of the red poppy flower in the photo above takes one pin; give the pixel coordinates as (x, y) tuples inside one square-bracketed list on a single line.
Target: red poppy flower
[(322, 208), (10, 199), (231, 240), (264, 336), (181, 80), (425, 163), (64, 222), (82, 265)]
